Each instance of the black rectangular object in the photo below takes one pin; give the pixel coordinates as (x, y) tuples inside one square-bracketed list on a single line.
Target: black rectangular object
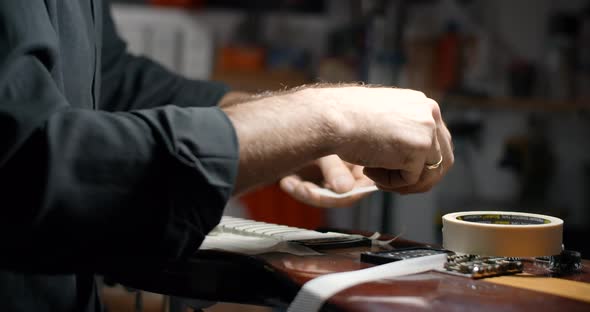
[(383, 257), (334, 242)]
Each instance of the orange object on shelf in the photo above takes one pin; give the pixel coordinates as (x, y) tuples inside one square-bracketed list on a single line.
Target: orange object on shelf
[(447, 61), (251, 58), (271, 204), (257, 81)]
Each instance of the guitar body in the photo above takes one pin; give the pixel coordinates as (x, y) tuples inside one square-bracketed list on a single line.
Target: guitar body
[(275, 278)]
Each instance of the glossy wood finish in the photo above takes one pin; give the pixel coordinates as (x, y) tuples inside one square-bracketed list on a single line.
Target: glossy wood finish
[(428, 291), (274, 279)]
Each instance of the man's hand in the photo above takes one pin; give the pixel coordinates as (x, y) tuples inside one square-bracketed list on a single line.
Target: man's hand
[(331, 172), (394, 133)]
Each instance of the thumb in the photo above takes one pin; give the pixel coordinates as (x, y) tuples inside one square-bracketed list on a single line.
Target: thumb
[(336, 173)]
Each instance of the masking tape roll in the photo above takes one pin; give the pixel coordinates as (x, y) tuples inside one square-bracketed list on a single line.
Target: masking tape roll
[(502, 233)]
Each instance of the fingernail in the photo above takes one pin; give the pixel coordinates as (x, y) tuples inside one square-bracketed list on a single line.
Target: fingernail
[(342, 183), (289, 186), (302, 193)]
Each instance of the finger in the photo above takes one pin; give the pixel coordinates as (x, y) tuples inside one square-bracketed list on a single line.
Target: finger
[(357, 172), (363, 181), (385, 188), (290, 183), (412, 170), (330, 202), (408, 189), (300, 190), (447, 148), (303, 192), (413, 189), (427, 181), (431, 177), (443, 137), (349, 165), (434, 154), (336, 173), (385, 177), (411, 174)]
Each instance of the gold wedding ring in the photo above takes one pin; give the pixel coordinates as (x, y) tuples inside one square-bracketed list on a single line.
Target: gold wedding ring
[(436, 165)]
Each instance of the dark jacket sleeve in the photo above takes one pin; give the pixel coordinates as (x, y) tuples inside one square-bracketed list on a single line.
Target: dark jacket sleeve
[(83, 189), (132, 82)]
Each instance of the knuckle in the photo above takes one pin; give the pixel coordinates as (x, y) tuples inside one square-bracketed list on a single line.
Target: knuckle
[(436, 113), (429, 123), (418, 152), (424, 143), (423, 148), (419, 94)]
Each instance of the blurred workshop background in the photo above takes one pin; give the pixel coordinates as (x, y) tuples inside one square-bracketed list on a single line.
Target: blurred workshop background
[(512, 79)]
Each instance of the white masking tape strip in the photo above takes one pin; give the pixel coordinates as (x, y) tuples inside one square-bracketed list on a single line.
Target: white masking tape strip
[(359, 190), (314, 293), (502, 233)]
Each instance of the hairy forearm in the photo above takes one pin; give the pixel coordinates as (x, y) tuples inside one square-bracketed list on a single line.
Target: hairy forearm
[(394, 133), (234, 97), (278, 134)]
